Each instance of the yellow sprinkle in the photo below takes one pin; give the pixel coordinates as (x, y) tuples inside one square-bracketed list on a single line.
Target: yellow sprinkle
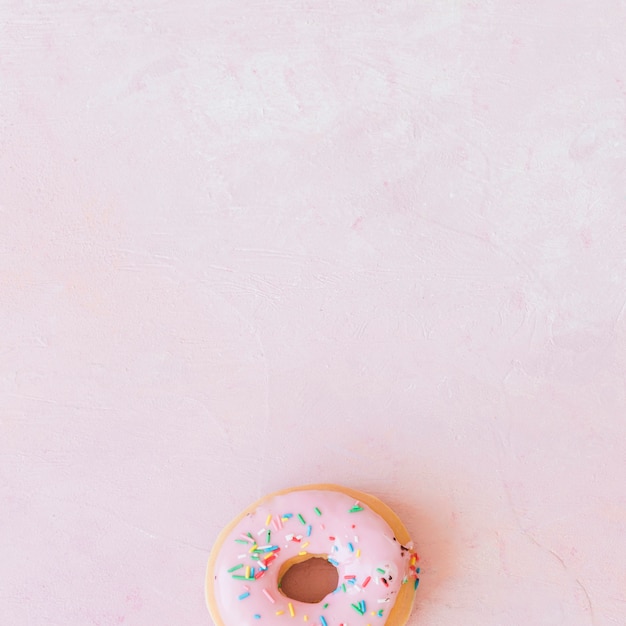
[(268, 519), (247, 571), (302, 553), (279, 612), (358, 553), (305, 544), (305, 618), (291, 611)]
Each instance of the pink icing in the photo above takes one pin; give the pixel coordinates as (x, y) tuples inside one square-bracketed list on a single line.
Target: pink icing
[(371, 563)]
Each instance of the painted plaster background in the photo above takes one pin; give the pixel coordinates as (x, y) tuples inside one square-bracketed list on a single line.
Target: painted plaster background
[(246, 245)]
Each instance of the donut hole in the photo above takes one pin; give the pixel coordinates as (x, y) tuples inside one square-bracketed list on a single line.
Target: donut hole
[(308, 580)]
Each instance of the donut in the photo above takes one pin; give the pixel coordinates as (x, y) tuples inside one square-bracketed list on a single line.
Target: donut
[(321, 554)]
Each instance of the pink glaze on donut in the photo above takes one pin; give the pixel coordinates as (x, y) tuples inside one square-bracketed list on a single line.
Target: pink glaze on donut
[(371, 564)]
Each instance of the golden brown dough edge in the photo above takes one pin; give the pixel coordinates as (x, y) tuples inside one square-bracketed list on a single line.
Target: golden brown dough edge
[(401, 611)]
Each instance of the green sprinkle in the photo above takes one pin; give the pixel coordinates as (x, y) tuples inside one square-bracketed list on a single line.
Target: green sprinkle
[(237, 577), (355, 509), (234, 568), (301, 518), (326, 605), (380, 569), (241, 541), (317, 511), (357, 608)]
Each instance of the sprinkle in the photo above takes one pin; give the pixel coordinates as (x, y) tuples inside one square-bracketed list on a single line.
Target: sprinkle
[(366, 582), (240, 541), (235, 568), (268, 519), (305, 618), (355, 509), (301, 518), (380, 569), (357, 608), (279, 612), (326, 605), (268, 595), (291, 611), (417, 582), (358, 553), (238, 577), (335, 563), (287, 515), (302, 552), (245, 594), (309, 528), (317, 511), (324, 622), (247, 571), (257, 616), (305, 544), (350, 577), (350, 547)]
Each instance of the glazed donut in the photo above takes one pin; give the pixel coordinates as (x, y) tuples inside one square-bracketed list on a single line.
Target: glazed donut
[(322, 554)]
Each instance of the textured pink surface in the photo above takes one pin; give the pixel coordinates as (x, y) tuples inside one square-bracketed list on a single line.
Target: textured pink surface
[(245, 245)]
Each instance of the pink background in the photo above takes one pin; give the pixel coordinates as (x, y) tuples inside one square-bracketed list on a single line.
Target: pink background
[(247, 245)]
